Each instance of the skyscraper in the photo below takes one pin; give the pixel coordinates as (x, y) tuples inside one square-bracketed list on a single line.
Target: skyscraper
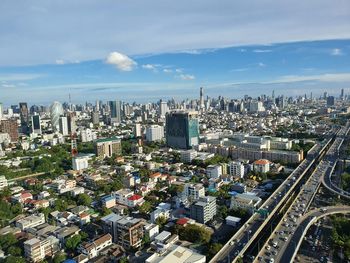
[(23, 110), (163, 108), (56, 110), (115, 114), (201, 99), (63, 124), (330, 101), (1, 111), (10, 127), (36, 124), (342, 94), (182, 129)]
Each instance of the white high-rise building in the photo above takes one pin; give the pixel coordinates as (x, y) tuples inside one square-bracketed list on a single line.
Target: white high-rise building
[(80, 163), (63, 124), (87, 135), (163, 109), (154, 133), (56, 110), (137, 130), (1, 111), (237, 169)]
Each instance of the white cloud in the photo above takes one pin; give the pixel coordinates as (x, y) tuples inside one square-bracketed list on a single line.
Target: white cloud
[(166, 70), (149, 66), (18, 77), (208, 25), (260, 64), (331, 77), (4, 85), (239, 69), (262, 50), (121, 61), (179, 70), (337, 52), (60, 62), (186, 77)]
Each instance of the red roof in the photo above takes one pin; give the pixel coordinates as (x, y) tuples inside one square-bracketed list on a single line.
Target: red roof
[(182, 221), (134, 197), (157, 174), (26, 195), (262, 162)]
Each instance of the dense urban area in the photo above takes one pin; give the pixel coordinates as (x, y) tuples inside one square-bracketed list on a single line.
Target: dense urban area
[(263, 179)]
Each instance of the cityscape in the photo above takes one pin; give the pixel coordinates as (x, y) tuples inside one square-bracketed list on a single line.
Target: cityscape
[(174, 135)]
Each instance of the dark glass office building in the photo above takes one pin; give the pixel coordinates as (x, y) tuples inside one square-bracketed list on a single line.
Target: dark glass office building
[(182, 129)]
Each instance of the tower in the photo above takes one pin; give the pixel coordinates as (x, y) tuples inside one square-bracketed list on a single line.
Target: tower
[(201, 99)]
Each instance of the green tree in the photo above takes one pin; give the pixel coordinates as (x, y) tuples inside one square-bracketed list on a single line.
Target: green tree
[(13, 259), (59, 257), (161, 220), (194, 233), (146, 239), (84, 199), (73, 242), (214, 248), (7, 241), (145, 208), (14, 251), (124, 260)]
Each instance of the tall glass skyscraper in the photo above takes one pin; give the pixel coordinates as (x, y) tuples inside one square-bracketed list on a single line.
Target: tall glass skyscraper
[(56, 110), (115, 115), (182, 129)]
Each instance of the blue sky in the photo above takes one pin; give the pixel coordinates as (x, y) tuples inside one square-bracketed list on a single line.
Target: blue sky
[(148, 50)]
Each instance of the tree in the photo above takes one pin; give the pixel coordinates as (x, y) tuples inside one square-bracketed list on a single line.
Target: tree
[(84, 199), (146, 239), (161, 220), (105, 211), (59, 257), (14, 251), (214, 248), (194, 233), (7, 241), (124, 260), (145, 208), (13, 259), (73, 242), (83, 235)]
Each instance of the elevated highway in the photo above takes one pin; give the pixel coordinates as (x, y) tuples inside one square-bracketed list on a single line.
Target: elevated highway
[(245, 236)]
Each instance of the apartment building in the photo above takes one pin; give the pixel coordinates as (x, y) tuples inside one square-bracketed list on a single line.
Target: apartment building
[(204, 209), (194, 191), (93, 249), (107, 147), (37, 249), (31, 221), (245, 201), (126, 231)]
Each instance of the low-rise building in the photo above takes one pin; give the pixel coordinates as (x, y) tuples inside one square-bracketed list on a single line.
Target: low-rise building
[(245, 201), (93, 249), (204, 209), (126, 231), (31, 221), (37, 249)]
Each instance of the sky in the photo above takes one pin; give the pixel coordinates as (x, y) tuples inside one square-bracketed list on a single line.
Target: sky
[(158, 49)]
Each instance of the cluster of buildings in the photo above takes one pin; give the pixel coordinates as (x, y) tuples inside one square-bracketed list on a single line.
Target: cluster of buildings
[(135, 155)]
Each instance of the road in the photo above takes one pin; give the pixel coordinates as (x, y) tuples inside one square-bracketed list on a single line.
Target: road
[(26, 176), (240, 241), (327, 179), (309, 219), (280, 241)]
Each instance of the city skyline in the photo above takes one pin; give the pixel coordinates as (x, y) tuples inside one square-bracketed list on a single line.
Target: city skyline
[(231, 49)]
